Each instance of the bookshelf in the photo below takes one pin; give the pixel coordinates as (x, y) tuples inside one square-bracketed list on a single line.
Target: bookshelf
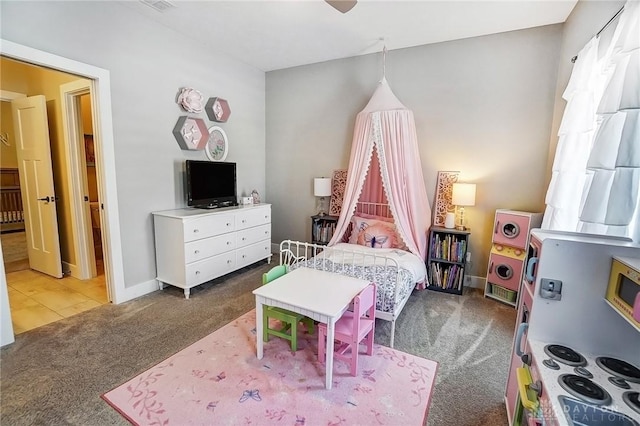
[(322, 228), (446, 259)]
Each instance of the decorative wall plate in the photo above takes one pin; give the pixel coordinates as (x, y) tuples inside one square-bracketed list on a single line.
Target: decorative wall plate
[(191, 133), (217, 146), (191, 100), (218, 110)]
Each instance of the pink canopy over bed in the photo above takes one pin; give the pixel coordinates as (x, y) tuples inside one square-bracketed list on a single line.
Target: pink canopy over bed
[(384, 154)]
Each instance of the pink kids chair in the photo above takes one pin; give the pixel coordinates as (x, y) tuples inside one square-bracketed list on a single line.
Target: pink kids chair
[(351, 329)]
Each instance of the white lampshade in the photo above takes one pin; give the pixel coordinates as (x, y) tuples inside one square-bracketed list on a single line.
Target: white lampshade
[(463, 194), (322, 187)]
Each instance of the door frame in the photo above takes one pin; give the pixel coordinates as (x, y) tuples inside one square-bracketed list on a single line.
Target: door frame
[(6, 327), (76, 165), (105, 153)]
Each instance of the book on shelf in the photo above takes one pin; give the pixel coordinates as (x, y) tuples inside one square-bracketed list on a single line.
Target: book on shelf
[(448, 248), (447, 277), (323, 232)]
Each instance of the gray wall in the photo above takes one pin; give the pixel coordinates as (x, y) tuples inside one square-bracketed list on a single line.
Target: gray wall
[(483, 106), (148, 64)]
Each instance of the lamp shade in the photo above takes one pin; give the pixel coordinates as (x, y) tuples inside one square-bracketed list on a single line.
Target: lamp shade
[(322, 187), (463, 194)]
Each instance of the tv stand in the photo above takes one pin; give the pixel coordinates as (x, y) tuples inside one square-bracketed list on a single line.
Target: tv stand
[(195, 246)]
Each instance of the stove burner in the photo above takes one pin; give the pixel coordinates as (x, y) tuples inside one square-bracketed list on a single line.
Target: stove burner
[(584, 389), (619, 382), (631, 398), (565, 355), (619, 368), (581, 371), (550, 363)]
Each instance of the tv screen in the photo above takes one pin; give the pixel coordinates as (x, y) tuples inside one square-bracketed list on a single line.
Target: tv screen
[(211, 184)]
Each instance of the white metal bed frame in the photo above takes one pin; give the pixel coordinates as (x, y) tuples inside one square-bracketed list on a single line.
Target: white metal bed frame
[(292, 252)]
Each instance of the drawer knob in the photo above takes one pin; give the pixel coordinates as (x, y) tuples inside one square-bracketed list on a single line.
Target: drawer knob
[(243, 238), (244, 255), (244, 221), (266, 232), (228, 242), (197, 272), (228, 261), (197, 251), (228, 224), (195, 230)]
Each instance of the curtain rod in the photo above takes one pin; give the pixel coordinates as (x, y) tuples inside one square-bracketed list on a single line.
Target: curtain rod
[(604, 27)]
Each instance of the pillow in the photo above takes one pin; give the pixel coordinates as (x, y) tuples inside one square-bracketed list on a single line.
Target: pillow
[(374, 233)]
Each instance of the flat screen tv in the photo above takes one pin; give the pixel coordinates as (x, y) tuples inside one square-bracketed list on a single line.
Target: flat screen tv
[(211, 184)]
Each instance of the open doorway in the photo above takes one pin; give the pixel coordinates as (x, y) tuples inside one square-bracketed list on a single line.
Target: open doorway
[(106, 171), (36, 299)]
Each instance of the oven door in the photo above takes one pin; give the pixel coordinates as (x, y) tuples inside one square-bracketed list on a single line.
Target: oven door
[(519, 348), (528, 406)]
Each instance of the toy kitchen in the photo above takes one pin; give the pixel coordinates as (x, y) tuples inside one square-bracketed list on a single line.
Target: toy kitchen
[(576, 351)]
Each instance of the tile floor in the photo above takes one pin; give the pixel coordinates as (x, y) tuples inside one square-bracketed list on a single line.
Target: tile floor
[(37, 299)]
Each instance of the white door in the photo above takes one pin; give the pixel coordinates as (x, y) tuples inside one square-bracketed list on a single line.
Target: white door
[(36, 182)]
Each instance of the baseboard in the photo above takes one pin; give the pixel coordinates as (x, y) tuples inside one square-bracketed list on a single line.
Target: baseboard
[(475, 282)]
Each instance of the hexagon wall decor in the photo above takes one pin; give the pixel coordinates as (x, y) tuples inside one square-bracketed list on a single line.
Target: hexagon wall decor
[(217, 109), (191, 133)]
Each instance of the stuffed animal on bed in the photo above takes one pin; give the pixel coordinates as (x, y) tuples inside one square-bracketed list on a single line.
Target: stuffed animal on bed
[(377, 235)]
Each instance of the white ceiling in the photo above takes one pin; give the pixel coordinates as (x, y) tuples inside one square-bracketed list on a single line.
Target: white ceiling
[(273, 35)]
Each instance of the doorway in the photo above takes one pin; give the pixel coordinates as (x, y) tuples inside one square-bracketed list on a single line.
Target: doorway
[(103, 133), (36, 299)]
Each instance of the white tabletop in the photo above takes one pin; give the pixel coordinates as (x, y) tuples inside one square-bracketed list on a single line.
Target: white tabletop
[(318, 294), (326, 293)]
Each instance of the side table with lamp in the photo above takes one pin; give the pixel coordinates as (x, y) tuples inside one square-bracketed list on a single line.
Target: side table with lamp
[(322, 224), (449, 245)]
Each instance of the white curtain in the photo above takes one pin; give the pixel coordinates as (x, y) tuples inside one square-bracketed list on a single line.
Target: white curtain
[(595, 183)]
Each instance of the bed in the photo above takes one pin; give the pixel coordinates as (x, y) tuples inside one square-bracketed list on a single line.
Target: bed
[(395, 272)]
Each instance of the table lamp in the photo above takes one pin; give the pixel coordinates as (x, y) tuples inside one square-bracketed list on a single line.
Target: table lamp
[(322, 188), (463, 194)]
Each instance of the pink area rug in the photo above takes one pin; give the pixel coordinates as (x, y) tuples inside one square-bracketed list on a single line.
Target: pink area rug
[(219, 381)]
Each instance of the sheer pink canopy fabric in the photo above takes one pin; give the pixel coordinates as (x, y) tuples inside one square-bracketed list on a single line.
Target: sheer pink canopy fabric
[(384, 154)]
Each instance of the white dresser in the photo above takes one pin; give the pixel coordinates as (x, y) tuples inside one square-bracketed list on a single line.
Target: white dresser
[(194, 246)]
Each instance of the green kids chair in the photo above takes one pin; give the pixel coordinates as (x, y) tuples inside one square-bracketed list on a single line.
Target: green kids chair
[(289, 319)]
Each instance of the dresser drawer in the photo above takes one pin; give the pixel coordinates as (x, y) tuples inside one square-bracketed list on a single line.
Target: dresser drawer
[(253, 217), (207, 247), (208, 226), (251, 254), (253, 235), (210, 268)]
